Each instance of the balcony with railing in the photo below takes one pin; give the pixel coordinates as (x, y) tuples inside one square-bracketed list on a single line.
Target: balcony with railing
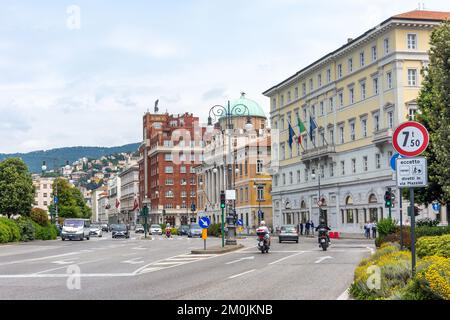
[(382, 136), (318, 152)]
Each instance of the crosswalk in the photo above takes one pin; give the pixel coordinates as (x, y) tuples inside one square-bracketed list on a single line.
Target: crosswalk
[(173, 262)]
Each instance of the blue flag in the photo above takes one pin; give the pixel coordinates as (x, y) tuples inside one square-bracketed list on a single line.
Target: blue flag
[(312, 126), (291, 135)]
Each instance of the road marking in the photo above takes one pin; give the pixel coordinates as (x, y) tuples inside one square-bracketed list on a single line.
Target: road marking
[(292, 255), (372, 251), (139, 248), (133, 261), (241, 274), (344, 296), (162, 263), (322, 259), (246, 258), (79, 263), (147, 270), (63, 262), (41, 258), (65, 275)]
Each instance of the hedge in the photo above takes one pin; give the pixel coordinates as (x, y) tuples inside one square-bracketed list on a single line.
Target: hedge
[(434, 246), (215, 230), (9, 231), (421, 231), (45, 233)]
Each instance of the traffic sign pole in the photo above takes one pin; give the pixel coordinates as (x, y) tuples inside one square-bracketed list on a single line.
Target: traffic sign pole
[(401, 218), (223, 229), (413, 231)]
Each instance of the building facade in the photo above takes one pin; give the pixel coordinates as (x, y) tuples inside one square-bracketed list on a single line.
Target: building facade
[(43, 196), (114, 194), (172, 146), (246, 154), (356, 96), (129, 193)]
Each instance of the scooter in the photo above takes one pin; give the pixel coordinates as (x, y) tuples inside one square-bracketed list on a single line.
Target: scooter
[(323, 239), (263, 240), (168, 233)]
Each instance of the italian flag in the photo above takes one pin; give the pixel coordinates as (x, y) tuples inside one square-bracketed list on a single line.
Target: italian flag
[(301, 128)]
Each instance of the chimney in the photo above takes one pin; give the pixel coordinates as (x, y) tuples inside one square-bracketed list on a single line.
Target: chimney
[(349, 40)]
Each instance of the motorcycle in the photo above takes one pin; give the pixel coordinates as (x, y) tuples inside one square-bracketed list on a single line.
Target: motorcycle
[(323, 239), (263, 240)]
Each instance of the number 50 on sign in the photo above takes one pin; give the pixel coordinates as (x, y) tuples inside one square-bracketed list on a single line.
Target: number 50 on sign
[(410, 139)]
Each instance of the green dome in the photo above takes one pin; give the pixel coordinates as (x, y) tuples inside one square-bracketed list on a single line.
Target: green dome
[(254, 108)]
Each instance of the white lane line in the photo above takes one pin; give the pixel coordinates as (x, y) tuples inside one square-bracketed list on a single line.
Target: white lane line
[(134, 261), (139, 248), (65, 275), (168, 263), (242, 259), (65, 267), (41, 258), (322, 259), (292, 255), (344, 296), (241, 274), (63, 262)]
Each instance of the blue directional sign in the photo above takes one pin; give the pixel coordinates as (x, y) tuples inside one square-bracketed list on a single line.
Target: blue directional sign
[(55, 199), (393, 160), (204, 222), (260, 213), (240, 222), (436, 206)]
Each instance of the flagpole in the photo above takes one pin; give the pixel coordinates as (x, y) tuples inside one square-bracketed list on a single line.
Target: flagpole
[(308, 131), (295, 135)]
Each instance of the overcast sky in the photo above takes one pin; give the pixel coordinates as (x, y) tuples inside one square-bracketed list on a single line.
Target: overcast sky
[(69, 84)]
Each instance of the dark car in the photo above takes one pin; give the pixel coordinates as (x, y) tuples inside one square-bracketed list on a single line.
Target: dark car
[(288, 232), (105, 227), (120, 231), (183, 230), (195, 231)]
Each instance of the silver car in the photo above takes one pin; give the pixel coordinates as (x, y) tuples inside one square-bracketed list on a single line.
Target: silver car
[(96, 230)]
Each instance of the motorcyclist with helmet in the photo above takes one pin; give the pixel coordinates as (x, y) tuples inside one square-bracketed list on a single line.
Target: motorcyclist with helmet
[(322, 225)]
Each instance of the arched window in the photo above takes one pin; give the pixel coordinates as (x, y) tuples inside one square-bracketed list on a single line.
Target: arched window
[(303, 205), (373, 198), (349, 201)]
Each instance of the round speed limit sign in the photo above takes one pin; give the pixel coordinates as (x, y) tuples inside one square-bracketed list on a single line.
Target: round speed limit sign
[(410, 139)]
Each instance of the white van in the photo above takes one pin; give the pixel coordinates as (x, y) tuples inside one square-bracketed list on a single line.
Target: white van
[(75, 229)]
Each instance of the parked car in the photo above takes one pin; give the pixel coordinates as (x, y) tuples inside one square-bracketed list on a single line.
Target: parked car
[(288, 232), (195, 230), (183, 230), (155, 229), (120, 231), (139, 228), (96, 230), (105, 227), (75, 229)]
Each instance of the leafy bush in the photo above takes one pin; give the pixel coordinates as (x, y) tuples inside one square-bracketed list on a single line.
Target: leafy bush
[(26, 227), (13, 229), (45, 233), (215, 230), (5, 234), (394, 268), (386, 227), (432, 281), (434, 246), (174, 231), (427, 222), (39, 216), (420, 232)]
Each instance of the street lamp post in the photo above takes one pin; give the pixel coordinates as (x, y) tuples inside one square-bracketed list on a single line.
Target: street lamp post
[(319, 204), (258, 187), (54, 217), (228, 112)]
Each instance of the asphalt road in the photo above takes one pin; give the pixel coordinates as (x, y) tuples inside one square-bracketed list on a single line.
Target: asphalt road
[(105, 268)]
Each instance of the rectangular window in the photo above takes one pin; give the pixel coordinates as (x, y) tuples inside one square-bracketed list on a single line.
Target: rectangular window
[(361, 59), (289, 96), (282, 100), (296, 93), (377, 161), (291, 178), (363, 91), (274, 103), (341, 134), (304, 89), (328, 75), (275, 180), (319, 80), (339, 71), (259, 166), (313, 110), (304, 114), (353, 165), (343, 168), (376, 122), (386, 46), (375, 86), (298, 176), (341, 99), (364, 127), (169, 182), (332, 169), (412, 41), (183, 194), (260, 193), (389, 80), (365, 166), (168, 157), (284, 179), (350, 65), (182, 169), (412, 77), (283, 152), (332, 136), (311, 85), (374, 53), (322, 111), (352, 131), (351, 92), (168, 169), (330, 105), (390, 116), (306, 175)]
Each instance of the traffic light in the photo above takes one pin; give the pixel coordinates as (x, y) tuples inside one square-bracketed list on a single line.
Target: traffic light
[(193, 207), (388, 199), (222, 199)]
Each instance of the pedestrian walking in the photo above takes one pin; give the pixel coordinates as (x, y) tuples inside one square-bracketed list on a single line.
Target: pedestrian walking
[(367, 230), (374, 230), (307, 226), (312, 228), (301, 228)]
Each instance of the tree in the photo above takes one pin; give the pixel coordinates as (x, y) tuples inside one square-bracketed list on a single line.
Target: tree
[(16, 188), (434, 112), (71, 203)]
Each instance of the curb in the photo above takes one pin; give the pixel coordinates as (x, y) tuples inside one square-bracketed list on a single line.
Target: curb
[(218, 250)]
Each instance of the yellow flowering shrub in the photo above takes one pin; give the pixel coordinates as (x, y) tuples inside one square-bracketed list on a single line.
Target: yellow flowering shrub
[(434, 277), (438, 246)]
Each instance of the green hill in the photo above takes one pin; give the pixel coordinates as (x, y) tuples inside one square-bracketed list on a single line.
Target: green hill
[(34, 159)]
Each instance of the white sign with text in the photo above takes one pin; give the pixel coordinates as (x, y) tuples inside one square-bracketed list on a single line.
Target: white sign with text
[(412, 172)]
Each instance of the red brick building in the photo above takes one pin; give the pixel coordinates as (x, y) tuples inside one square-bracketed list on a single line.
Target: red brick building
[(172, 146)]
